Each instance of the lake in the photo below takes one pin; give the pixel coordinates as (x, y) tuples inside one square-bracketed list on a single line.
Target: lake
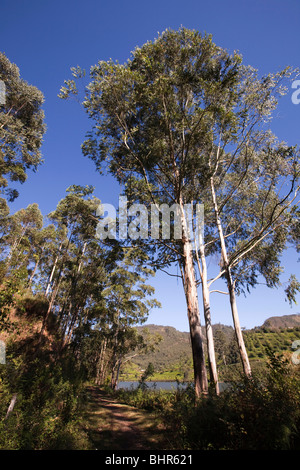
[(153, 385), (168, 385)]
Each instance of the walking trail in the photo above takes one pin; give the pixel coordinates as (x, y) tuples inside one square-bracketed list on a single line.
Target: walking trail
[(115, 426)]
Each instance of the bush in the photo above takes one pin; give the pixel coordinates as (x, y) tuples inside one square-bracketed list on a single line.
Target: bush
[(146, 398), (255, 414), (47, 411)]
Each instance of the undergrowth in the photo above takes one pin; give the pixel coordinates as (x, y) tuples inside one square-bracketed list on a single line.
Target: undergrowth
[(257, 413)]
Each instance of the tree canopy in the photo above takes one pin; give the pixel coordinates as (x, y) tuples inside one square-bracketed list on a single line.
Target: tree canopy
[(21, 128)]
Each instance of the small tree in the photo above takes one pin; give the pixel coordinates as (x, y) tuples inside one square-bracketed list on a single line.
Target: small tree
[(146, 375)]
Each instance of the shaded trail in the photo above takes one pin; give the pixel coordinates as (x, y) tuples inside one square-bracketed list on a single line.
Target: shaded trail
[(115, 426)]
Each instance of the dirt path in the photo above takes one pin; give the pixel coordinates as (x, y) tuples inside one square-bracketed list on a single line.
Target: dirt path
[(115, 426)]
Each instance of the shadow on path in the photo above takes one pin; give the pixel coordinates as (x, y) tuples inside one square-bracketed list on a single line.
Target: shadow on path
[(115, 426)]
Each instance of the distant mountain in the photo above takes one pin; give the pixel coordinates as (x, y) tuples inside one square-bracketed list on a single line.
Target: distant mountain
[(174, 346), (285, 321), (174, 350)]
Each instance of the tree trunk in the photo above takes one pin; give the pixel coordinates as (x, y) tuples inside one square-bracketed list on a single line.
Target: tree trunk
[(114, 357), (53, 270), (11, 405), (237, 327), (100, 364), (190, 289), (230, 285), (52, 300), (118, 370), (208, 325), (16, 243), (33, 272)]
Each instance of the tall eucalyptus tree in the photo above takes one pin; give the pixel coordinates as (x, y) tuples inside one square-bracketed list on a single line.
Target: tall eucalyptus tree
[(177, 124)]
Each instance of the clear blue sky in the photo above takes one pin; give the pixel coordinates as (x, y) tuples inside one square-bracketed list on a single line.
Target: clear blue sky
[(45, 38)]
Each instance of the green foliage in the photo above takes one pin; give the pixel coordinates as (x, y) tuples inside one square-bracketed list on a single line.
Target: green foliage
[(261, 341), (292, 289), (183, 120), (21, 127), (260, 413), (180, 114), (172, 356), (47, 411), (146, 398), (146, 375), (10, 288), (256, 414)]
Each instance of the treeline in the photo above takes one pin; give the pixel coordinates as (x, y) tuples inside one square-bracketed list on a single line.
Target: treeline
[(68, 301), (71, 284), (68, 304)]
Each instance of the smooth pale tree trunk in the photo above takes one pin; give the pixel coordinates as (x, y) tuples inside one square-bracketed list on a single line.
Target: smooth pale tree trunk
[(208, 325), (238, 330), (11, 405), (16, 244), (52, 300), (202, 268), (53, 270), (74, 312), (230, 285), (190, 289), (33, 272), (55, 290)]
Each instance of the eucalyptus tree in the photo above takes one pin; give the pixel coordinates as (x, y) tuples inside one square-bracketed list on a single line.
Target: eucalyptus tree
[(23, 227), (127, 300), (253, 188), (76, 220), (18, 233), (152, 122), (42, 245), (94, 282), (182, 122), (21, 127)]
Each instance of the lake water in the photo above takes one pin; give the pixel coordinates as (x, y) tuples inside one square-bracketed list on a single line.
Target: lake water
[(161, 385), (153, 385)]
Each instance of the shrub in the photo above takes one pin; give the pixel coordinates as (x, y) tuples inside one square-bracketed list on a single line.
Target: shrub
[(261, 413), (47, 411)]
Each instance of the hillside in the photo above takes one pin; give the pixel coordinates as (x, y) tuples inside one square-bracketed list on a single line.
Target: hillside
[(285, 321), (174, 346), (172, 356)]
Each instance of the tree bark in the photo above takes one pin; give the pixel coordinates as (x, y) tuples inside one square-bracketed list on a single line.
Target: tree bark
[(16, 243), (11, 405), (190, 289), (230, 285), (53, 270), (208, 325), (52, 300), (100, 364), (35, 268)]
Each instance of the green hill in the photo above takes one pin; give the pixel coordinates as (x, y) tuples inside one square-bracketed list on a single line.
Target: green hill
[(173, 356)]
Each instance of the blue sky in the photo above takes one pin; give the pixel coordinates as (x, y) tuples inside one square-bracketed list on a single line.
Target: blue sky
[(45, 38)]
